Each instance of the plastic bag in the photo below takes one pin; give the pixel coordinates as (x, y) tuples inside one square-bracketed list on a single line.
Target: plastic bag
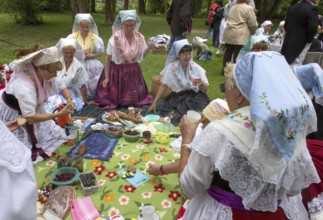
[(60, 201)]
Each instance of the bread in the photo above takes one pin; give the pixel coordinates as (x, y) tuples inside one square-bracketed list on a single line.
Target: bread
[(82, 150), (21, 121)]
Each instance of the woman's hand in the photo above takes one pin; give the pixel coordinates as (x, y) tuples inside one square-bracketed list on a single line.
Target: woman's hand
[(187, 129), (105, 82), (154, 170), (152, 108), (68, 109), (12, 125), (196, 81)]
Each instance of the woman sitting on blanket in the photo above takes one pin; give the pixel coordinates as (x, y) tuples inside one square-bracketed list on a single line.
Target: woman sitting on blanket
[(251, 163), (86, 33), (122, 83), (73, 74), (186, 79), (34, 78)]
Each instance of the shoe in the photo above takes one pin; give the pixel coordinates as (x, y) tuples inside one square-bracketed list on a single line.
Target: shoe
[(219, 53)]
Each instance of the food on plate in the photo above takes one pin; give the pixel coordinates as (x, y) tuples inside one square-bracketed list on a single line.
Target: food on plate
[(112, 115), (131, 132), (64, 177)]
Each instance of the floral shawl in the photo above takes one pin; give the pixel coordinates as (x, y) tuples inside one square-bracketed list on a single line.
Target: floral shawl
[(124, 52)]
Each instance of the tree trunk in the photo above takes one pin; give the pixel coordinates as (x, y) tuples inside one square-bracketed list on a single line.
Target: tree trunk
[(142, 6), (93, 6), (166, 7), (80, 6), (110, 6), (126, 5)]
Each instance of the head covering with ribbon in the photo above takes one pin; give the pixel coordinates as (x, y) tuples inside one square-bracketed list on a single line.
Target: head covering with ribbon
[(65, 42), (124, 16)]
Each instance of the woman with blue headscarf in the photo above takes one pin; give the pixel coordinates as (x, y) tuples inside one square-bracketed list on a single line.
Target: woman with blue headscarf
[(311, 78), (186, 79), (122, 83), (253, 163)]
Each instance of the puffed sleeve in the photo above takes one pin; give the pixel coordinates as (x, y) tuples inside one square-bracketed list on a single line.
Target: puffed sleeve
[(197, 175), (99, 47), (27, 99)]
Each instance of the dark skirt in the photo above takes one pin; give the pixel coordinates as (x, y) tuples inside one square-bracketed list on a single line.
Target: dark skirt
[(126, 87), (179, 103)]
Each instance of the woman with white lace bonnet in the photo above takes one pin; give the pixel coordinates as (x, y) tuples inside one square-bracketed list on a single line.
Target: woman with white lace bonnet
[(86, 33), (254, 161), (73, 74), (33, 80)]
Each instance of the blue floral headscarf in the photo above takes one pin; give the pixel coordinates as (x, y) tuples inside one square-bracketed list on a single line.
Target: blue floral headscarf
[(277, 99)]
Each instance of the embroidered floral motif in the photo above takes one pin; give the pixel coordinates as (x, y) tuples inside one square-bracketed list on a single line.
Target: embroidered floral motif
[(285, 121), (247, 123)]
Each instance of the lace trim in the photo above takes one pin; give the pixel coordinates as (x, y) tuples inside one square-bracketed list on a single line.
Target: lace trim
[(316, 205), (259, 189), (13, 154)]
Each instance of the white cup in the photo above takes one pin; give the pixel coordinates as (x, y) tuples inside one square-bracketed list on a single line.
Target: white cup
[(148, 212), (193, 116), (99, 126)]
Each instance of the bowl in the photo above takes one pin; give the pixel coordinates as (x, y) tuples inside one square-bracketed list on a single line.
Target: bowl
[(134, 137), (162, 138), (64, 176), (113, 131)]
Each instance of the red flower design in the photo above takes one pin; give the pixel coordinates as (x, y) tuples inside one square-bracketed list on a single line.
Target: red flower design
[(163, 150), (9, 71), (116, 38), (174, 195), (99, 169), (121, 52), (110, 175), (160, 188), (129, 188)]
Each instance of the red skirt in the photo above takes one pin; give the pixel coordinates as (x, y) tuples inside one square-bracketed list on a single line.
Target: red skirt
[(315, 147)]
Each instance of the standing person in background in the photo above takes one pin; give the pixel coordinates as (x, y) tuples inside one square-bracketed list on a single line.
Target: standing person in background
[(122, 83), (86, 33), (241, 24), (209, 19), (301, 27), (180, 20), (217, 18)]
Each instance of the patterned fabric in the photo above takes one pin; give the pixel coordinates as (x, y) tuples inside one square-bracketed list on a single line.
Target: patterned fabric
[(116, 195)]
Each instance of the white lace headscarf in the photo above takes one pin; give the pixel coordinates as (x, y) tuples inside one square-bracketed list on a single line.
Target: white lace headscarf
[(87, 17)]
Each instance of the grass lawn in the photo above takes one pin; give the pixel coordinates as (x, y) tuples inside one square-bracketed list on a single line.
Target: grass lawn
[(59, 25)]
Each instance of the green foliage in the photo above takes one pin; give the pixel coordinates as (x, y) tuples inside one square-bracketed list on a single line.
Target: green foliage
[(156, 7), (52, 5), (58, 25), (23, 12)]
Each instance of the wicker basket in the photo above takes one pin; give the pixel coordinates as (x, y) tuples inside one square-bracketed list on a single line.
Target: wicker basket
[(155, 84)]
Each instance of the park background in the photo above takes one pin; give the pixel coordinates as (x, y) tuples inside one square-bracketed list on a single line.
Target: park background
[(25, 23)]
